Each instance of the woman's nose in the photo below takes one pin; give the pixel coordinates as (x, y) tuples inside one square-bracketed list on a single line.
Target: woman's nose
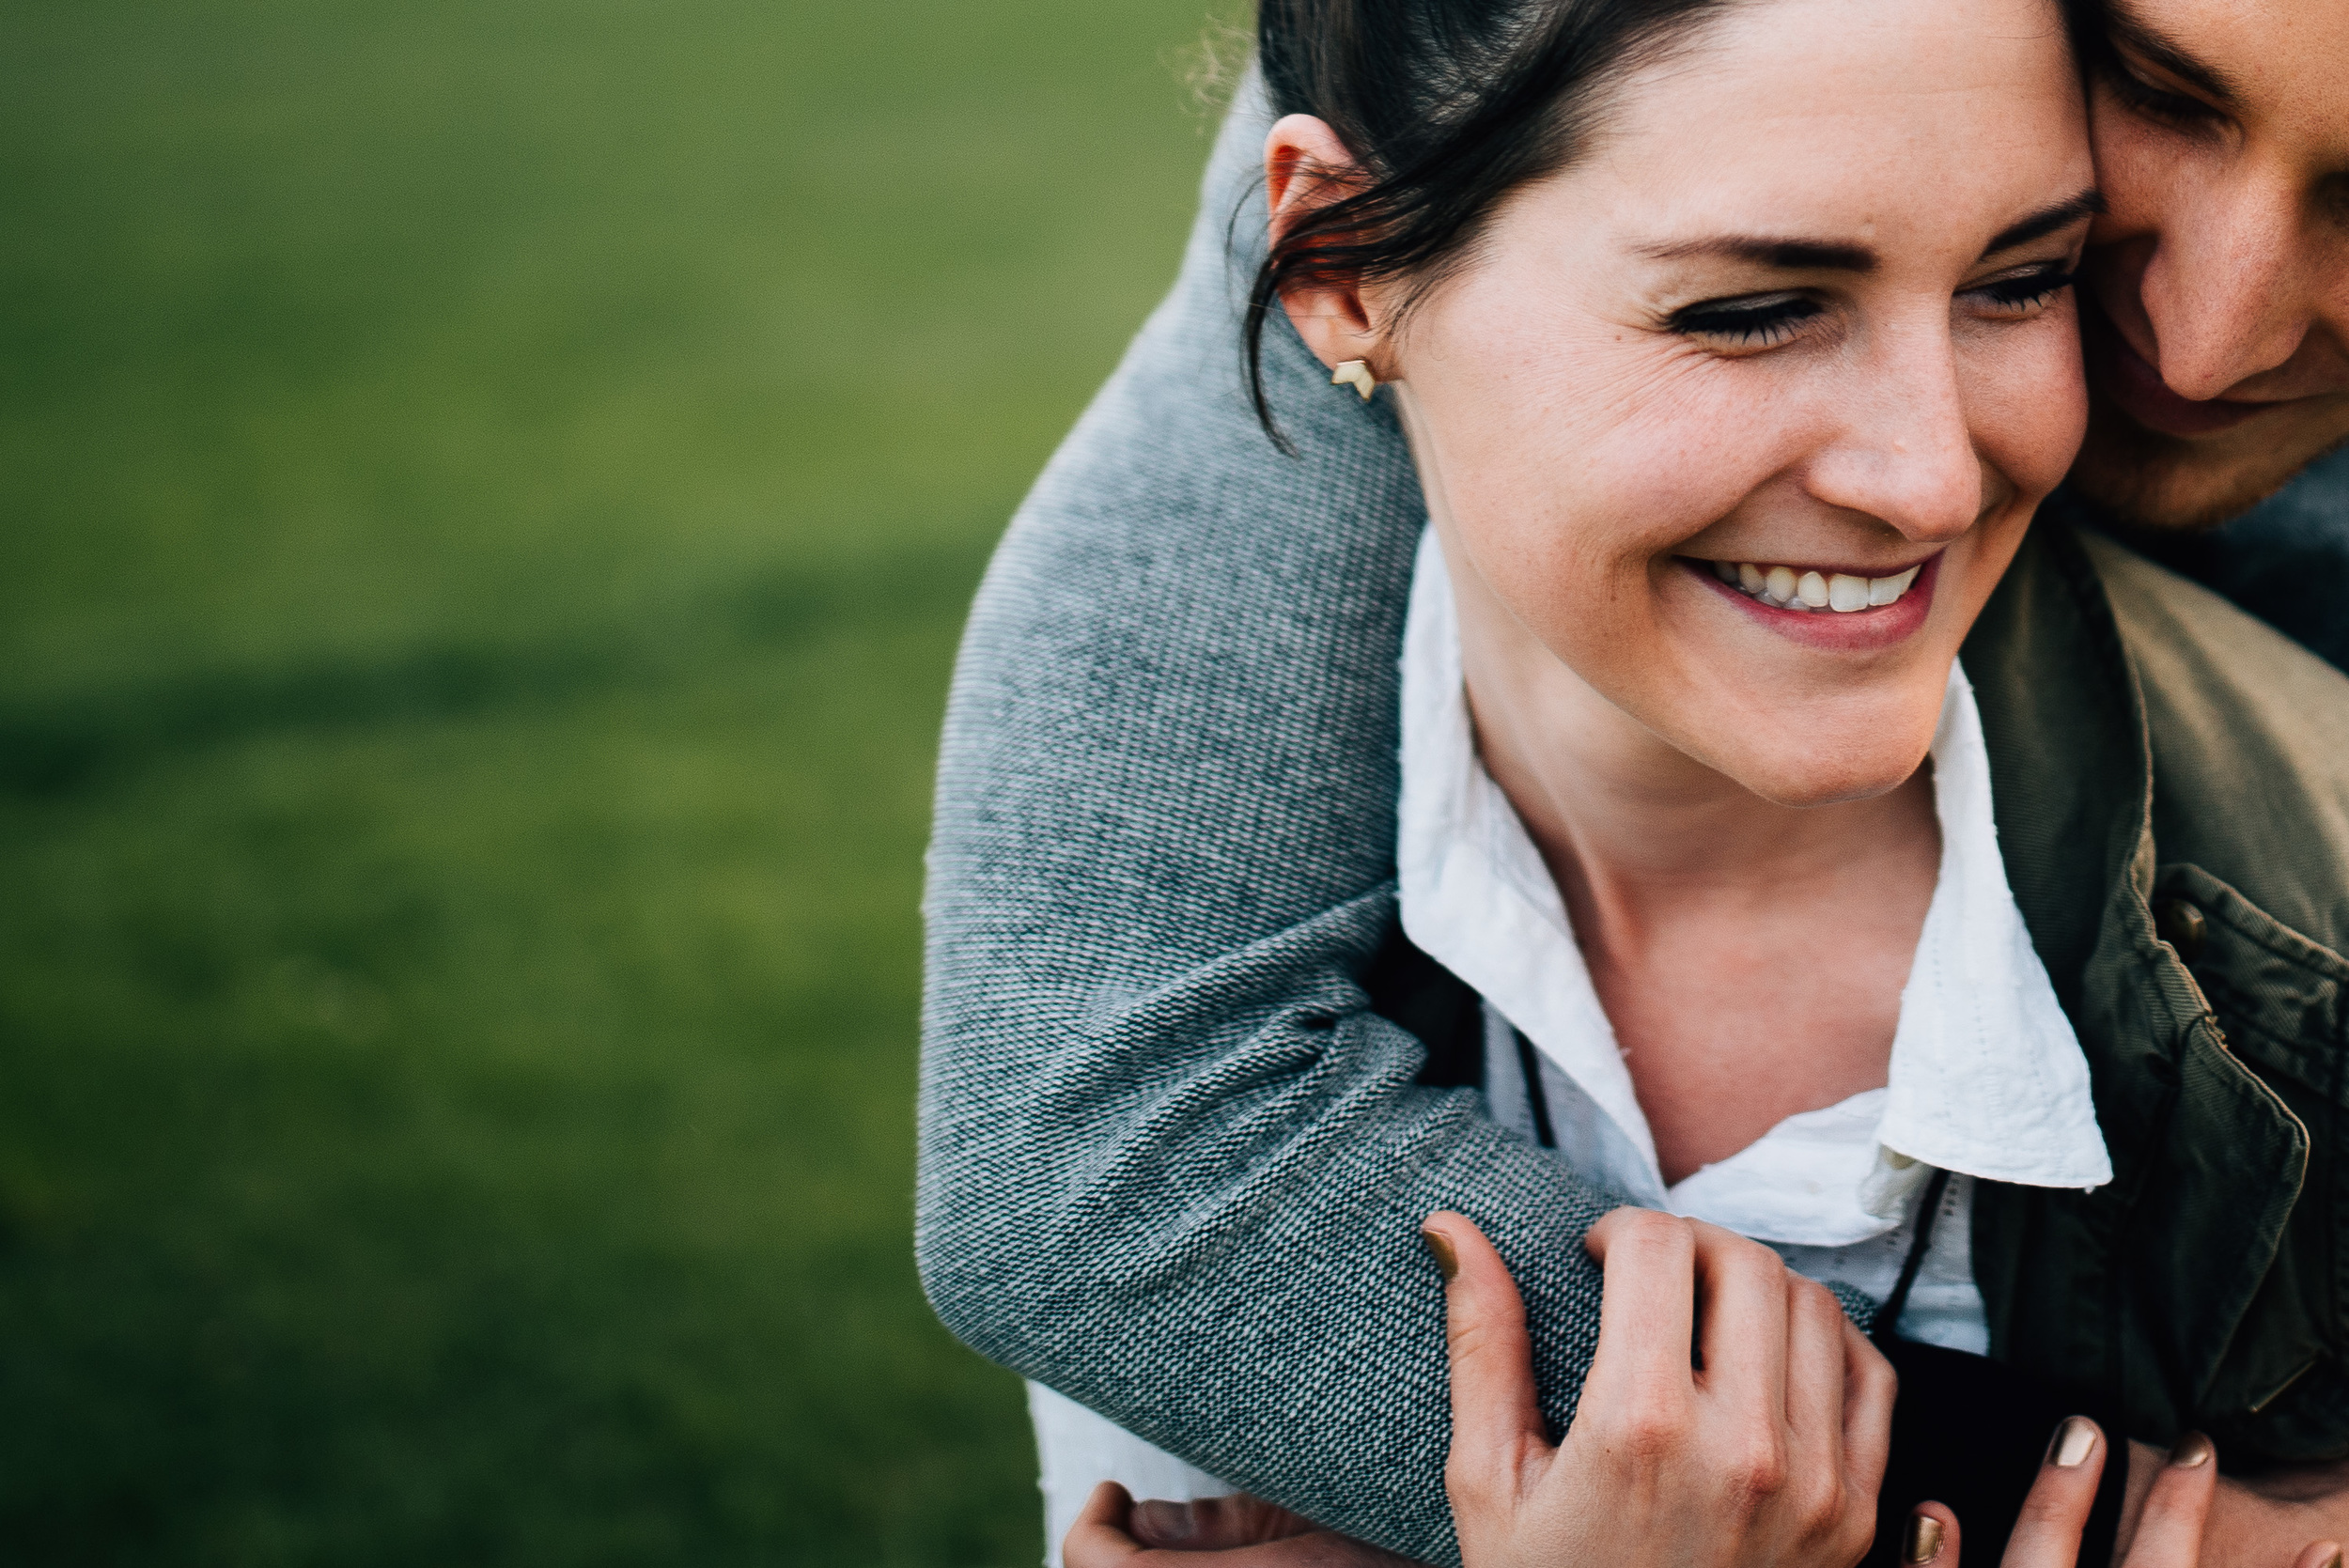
[(2227, 290), (1904, 454)]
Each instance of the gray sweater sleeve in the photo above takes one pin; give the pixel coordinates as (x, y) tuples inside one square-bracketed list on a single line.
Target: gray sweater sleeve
[(1171, 1164)]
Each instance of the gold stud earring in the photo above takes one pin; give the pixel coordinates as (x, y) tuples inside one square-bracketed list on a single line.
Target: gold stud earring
[(1355, 374)]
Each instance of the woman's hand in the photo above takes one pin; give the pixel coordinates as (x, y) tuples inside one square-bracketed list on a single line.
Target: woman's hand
[(1766, 1447), (2169, 1529), (1768, 1450)]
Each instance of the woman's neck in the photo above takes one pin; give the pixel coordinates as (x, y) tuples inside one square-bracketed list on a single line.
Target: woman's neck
[(1751, 955)]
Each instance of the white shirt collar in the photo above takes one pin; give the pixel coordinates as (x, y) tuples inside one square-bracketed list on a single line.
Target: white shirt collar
[(1986, 1076)]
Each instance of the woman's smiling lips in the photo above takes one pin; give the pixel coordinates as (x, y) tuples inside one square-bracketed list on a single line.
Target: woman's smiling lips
[(1827, 607)]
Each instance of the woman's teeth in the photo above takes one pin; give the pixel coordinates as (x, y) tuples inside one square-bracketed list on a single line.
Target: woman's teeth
[(1785, 588)]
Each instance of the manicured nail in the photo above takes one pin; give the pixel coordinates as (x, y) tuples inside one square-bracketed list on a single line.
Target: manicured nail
[(2075, 1441), (2193, 1452), (1440, 1248), (1924, 1538), (1163, 1524)]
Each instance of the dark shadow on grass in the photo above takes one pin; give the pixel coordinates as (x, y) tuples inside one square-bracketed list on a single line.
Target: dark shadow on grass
[(71, 746)]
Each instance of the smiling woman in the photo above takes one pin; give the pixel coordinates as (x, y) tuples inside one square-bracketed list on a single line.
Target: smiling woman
[(1844, 280), (1736, 351)]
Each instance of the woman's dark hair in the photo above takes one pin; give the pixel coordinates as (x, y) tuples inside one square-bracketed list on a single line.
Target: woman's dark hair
[(1447, 106)]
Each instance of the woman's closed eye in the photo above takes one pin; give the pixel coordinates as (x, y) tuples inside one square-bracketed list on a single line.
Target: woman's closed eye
[(2024, 294), (1751, 321), (1756, 322)]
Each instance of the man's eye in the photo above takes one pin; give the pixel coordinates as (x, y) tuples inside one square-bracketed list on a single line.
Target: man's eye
[(1758, 322), (2024, 292), (2156, 104)]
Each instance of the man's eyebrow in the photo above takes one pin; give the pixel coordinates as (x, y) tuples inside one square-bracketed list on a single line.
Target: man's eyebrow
[(1791, 255), (2051, 219), (2124, 26)]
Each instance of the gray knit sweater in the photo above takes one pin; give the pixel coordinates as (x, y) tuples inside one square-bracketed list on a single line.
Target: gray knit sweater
[(1171, 1164)]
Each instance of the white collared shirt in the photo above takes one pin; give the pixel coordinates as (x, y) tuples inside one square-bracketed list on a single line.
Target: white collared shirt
[(1986, 1077)]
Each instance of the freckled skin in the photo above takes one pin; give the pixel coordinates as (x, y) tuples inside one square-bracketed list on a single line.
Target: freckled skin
[(1735, 814)]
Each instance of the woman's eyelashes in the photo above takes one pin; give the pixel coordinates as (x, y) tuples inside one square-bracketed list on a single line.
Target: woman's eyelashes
[(2027, 292), (1766, 321), (1755, 322)]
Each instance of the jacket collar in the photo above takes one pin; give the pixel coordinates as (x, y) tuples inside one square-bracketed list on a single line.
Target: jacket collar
[(2208, 1158)]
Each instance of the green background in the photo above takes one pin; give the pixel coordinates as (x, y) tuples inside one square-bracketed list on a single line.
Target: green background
[(487, 492)]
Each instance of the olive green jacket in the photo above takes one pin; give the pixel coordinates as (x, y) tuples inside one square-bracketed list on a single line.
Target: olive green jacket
[(2172, 780)]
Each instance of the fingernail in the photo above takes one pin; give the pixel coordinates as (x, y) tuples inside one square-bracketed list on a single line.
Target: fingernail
[(1162, 1523), (1440, 1248), (2075, 1441), (1924, 1538), (2193, 1452)]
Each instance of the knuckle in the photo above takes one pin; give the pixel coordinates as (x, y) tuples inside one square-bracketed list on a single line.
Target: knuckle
[(1465, 1483), (1648, 1428), (1818, 1502), (1648, 1231), (1813, 1298), (1732, 1247), (1754, 1471)]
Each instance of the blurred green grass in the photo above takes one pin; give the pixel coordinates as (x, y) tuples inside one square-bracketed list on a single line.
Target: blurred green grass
[(487, 492)]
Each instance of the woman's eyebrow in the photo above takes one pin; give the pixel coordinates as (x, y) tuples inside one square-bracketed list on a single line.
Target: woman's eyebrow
[(1791, 255), (2051, 219), (1832, 256)]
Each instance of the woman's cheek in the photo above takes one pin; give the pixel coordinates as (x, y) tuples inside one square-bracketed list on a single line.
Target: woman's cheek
[(2032, 396)]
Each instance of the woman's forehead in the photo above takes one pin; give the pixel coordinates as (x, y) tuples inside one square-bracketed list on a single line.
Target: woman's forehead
[(1842, 120), (1854, 76)]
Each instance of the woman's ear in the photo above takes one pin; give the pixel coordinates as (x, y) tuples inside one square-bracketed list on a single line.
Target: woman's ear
[(1306, 167)]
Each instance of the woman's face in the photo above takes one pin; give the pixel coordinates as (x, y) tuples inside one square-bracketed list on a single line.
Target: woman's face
[(1794, 328)]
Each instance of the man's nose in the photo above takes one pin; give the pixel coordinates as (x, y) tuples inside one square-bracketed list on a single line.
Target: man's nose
[(2228, 290)]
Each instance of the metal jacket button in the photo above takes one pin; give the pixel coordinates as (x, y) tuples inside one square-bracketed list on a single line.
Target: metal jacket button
[(2181, 923)]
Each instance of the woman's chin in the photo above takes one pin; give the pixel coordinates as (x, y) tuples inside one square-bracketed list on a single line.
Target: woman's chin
[(1788, 772)]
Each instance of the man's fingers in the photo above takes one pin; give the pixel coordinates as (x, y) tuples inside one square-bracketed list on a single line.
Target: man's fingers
[(2169, 1526), (2047, 1535), (1099, 1538), (1929, 1540), (1816, 1362), (1871, 1387), (1741, 1321), (1495, 1415), (1214, 1524), (1647, 1307)]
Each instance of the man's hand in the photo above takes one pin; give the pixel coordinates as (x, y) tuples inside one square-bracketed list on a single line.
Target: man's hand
[(1115, 1531)]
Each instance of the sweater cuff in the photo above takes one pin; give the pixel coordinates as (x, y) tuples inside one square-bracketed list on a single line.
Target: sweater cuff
[(1971, 1432)]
